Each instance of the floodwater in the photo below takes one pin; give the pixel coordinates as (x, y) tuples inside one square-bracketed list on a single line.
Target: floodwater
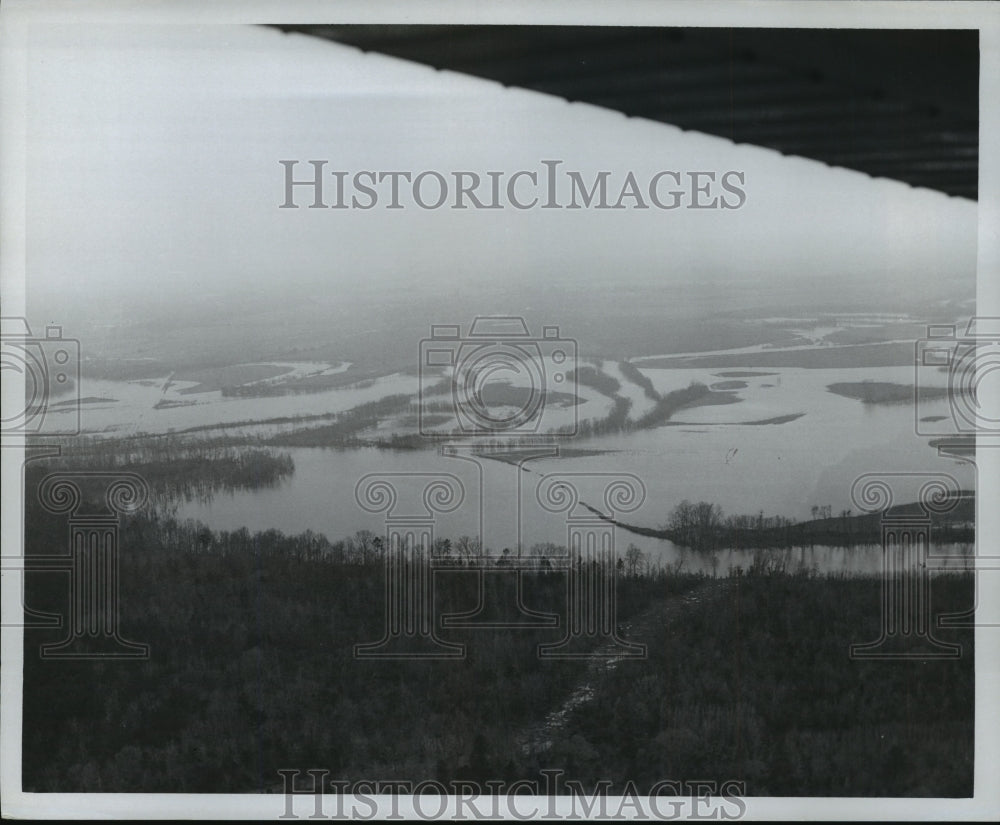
[(720, 453)]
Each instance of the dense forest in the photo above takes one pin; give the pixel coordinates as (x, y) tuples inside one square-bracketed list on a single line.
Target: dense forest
[(252, 671), (175, 467), (760, 687)]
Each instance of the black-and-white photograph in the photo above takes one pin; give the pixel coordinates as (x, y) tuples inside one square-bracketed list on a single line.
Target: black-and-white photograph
[(499, 415)]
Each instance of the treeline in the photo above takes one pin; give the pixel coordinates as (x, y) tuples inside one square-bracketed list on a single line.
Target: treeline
[(618, 421), (343, 430), (252, 669), (636, 376), (364, 548), (615, 421), (347, 429), (310, 383), (702, 526), (885, 392), (596, 379), (667, 405), (173, 468)]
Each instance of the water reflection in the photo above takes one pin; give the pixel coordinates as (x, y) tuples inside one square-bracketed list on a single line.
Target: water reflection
[(709, 453), (819, 560)]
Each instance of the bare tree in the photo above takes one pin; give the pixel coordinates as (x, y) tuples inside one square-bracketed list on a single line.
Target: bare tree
[(695, 525), (468, 548), (442, 549), (633, 560)]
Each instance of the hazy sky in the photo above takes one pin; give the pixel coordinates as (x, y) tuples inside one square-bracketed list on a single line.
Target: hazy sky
[(153, 173)]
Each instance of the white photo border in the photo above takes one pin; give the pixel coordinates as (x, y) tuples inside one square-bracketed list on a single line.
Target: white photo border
[(18, 16)]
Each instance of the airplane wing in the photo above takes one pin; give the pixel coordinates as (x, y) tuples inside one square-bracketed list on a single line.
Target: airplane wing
[(900, 104)]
